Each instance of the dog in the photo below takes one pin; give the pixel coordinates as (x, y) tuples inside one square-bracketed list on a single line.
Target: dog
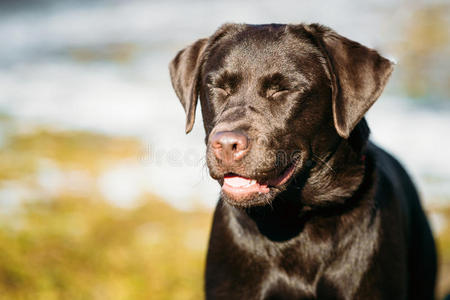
[(309, 208)]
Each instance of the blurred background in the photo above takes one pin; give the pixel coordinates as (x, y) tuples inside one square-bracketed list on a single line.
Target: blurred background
[(103, 196)]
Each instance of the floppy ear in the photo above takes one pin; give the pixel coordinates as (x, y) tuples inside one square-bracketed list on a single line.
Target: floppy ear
[(358, 76), (184, 72)]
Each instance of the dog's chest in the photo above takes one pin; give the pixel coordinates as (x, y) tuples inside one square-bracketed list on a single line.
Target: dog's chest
[(305, 267), (300, 271), (295, 271)]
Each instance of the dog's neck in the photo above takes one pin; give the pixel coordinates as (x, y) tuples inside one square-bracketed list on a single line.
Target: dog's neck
[(335, 180)]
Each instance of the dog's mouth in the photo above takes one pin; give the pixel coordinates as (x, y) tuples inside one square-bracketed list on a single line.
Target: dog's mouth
[(240, 188)]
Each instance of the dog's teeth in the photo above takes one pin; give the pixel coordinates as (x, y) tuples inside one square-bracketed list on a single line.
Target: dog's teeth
[(251, 182)]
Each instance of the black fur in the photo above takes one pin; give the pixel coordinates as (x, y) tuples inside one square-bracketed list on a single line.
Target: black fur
[(348, 224)]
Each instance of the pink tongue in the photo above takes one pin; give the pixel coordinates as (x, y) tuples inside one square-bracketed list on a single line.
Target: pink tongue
[(236, 181)]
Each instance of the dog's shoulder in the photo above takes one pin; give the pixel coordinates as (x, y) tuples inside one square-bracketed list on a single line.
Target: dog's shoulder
[(396, 195)]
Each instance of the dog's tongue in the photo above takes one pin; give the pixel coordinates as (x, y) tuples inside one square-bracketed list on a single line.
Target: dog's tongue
[(241, 187), (237, 181)]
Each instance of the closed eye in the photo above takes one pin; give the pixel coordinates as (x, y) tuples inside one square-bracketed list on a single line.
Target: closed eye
[(279, 93), (272, 94), (219, 91)]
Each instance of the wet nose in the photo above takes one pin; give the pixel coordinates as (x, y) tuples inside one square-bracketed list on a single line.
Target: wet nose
[(229, 146)]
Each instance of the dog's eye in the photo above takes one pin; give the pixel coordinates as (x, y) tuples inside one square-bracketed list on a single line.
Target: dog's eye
[(219, 91), (272, 94)]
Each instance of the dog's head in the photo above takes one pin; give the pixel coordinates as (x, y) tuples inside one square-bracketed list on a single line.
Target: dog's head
[(274, 98)]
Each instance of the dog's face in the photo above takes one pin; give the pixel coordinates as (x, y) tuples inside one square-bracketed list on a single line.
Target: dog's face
[(261, 83), (274, 98)]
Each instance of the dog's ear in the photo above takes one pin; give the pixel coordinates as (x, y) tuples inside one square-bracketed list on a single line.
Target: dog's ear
[(184, 73), (358, 76)]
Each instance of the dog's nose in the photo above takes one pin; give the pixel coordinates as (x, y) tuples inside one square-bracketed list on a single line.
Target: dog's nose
[(229, 146)]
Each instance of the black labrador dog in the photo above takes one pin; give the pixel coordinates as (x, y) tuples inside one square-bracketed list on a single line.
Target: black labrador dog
[(309, 209)]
